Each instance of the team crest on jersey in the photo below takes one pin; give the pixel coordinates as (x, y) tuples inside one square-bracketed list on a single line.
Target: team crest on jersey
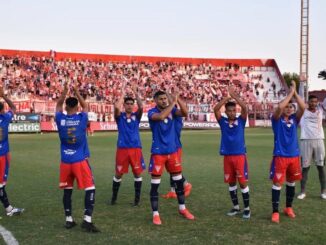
[(63, 122), (128, 120), (166, 120)]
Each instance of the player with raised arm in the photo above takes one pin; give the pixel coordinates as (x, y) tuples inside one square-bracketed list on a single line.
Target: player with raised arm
[(286, 155), (129, 148), (233, 148), (74, 156), (5, 119)]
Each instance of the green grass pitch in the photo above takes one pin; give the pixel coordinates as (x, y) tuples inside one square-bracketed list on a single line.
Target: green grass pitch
[(33, 184)]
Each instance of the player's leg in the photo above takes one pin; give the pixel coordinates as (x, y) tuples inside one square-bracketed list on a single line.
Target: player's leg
[(230, 179), (137, 165), (171, 193), (293, 173), (121, 167), (320, 162), (85, 180), (277, 175), (306, 149), (156, 167), (66, 183), (187, 186), (242, 176), (175, 169)]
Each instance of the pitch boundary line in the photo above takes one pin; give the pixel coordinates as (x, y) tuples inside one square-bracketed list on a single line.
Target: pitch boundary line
[(7, 236)]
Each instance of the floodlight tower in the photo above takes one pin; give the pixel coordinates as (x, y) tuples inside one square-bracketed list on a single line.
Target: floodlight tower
[(304, 47)]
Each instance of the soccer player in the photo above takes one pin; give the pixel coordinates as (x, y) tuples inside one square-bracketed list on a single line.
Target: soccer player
[(5, 119), (164, 151), (233, 149), (178, 127), (129, 148), (286, 160), (74, 156), (312, 144)]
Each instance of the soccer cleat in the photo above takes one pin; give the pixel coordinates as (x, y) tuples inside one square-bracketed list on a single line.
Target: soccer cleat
[(187, 188), (276, 217), (323, 196), (185, 213), (89, 227), (289, 212), (70, 224), (246, 214), (170, 194), (301, 196), (233, 212), (157, 219), (15, 211)]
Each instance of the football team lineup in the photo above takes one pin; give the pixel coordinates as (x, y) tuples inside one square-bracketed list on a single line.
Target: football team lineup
[(166, 152)]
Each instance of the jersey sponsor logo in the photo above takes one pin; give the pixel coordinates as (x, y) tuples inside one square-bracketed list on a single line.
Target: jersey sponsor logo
[(69, 152), (72, 122)]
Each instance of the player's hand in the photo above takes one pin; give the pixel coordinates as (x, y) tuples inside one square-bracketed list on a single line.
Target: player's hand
[(231, 91), (65, 86), (293, 86), (134, 88)]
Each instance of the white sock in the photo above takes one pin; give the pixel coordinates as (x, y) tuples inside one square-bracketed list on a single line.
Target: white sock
[(236, 207), (172, 189), (9, 208), (69, 219), (182, 207), (88, 218), (155, 213)]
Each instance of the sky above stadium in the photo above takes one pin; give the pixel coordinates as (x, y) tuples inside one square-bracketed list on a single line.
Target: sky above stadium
[(180, 28)]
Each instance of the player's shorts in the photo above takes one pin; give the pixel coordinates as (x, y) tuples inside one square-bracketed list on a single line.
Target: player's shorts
[(179, 155), (4, 168), (312, 150), (129, 156), (288, 168), (170, 162), (235, 168), (81, 171)]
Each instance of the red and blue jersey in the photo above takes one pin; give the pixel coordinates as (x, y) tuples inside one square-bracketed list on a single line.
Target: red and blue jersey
[(72, 133), (5, 120), (233, 137), (128, 129), (178, 127), (163, 133), (285, 136)]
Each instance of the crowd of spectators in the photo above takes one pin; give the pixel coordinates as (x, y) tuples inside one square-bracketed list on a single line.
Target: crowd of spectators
[(43, 77)]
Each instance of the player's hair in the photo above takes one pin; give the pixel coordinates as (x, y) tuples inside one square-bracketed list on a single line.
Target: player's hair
[(129, 99), (158, 93), (312, 97), (1, 106), (230, 104), (71, 102)]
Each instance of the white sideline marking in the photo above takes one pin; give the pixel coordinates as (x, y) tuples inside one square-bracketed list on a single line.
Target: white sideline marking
[(8, 237)]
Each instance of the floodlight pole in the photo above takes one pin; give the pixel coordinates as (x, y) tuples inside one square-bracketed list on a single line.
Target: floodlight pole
[(304, 47)]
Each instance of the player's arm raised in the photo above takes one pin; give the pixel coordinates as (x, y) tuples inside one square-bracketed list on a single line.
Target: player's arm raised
[(166, 112), (8, 101), (278, 111), (139, 101), (81, 100), (301, 105), (234, 95), (183, 111), (118, 103), (218, 106), (61, 100)]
